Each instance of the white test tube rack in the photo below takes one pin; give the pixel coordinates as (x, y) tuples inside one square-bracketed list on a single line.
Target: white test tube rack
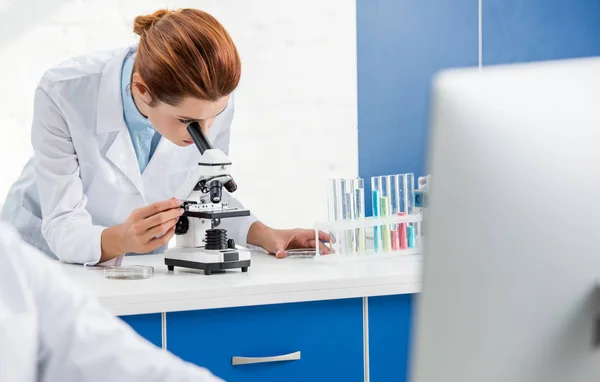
[(345, 253)]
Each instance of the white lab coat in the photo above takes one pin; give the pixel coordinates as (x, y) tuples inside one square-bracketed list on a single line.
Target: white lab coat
[(50, 330), (84, 175)]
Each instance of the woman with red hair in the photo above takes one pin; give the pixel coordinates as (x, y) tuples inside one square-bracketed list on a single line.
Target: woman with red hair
[(111, 143)]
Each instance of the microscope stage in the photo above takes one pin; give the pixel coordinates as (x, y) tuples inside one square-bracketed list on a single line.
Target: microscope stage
[(217, 214)]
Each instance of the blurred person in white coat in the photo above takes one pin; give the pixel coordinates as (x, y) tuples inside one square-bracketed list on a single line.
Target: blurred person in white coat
[(111, 145), (52, 331)]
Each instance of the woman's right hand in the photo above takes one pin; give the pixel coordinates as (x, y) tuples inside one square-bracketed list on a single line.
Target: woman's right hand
[(145, 230)]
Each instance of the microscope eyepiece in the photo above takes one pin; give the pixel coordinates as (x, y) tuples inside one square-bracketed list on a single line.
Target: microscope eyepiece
[(231, 186), (216, 191), (198, 137)]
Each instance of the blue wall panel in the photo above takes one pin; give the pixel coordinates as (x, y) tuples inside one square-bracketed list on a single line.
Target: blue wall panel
[(536, 30), (401, 44)]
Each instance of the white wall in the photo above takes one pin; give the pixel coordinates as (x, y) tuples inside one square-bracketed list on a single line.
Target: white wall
[(296, 121)]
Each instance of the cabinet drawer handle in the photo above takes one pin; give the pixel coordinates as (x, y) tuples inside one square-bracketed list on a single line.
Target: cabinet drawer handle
[(278, 358)]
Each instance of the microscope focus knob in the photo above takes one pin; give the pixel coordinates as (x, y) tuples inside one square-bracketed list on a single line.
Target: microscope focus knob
[(231, 186), (231, 244), (182, 226)]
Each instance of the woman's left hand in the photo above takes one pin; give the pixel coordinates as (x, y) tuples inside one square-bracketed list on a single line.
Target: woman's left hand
[(277, 241)]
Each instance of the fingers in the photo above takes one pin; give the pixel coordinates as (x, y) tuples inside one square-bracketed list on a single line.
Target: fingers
[(156, 208), (161, 229), (323, 249), (324, 236), (160, 241), (305, 238), (161, 218), (309, 234), (332, 239)]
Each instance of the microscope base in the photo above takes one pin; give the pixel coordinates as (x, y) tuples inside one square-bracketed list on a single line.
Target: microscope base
[(207, 260)]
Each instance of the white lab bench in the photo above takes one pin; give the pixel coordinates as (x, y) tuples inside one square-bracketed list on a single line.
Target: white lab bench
[(344, 321)]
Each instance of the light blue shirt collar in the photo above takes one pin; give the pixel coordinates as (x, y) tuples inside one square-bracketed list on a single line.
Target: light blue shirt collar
[(143, 135)]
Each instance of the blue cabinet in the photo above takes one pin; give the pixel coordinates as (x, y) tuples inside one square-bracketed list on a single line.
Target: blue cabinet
[(390, 321), (328, 335), (148, 326)]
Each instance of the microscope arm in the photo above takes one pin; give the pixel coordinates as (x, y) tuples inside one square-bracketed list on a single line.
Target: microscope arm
[(186, 190), (213, 164)]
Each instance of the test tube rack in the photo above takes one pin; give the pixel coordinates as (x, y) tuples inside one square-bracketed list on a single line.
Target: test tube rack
[(347, 234)]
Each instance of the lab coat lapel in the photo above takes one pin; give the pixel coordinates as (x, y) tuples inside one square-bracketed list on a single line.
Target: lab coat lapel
[(167, 158), (122, 155), (110, 120)]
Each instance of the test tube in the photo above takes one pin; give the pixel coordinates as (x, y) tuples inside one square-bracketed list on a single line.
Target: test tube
[(410, 234), (395, 203), (344, 201), (376, 205), (349, 212), (359, 200), (386, 210), (424, 183), (410, 204), (402, 190), (334, 206)]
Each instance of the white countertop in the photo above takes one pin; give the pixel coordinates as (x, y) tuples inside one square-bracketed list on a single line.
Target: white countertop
[(268, 281)]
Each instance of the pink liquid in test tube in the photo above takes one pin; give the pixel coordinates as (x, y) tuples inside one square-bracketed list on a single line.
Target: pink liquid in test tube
[(396, 203), (395, 240), (403, 240)]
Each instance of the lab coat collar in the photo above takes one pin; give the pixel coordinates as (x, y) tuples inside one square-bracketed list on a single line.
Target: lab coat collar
[(110, 105), (110, 119)]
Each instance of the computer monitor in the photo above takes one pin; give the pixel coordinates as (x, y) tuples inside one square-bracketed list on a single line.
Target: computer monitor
[(512, 234)]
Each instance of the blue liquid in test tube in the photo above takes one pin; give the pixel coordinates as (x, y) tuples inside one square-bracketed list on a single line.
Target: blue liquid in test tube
[(410, 233)]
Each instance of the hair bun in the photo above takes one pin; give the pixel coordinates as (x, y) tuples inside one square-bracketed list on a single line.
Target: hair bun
[(142, 23)]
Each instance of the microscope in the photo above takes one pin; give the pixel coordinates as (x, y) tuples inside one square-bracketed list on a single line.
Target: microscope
[(200, 244)]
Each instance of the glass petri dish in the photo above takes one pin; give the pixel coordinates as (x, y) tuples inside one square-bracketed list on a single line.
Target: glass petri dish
[(303, 253), (129, 272)]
